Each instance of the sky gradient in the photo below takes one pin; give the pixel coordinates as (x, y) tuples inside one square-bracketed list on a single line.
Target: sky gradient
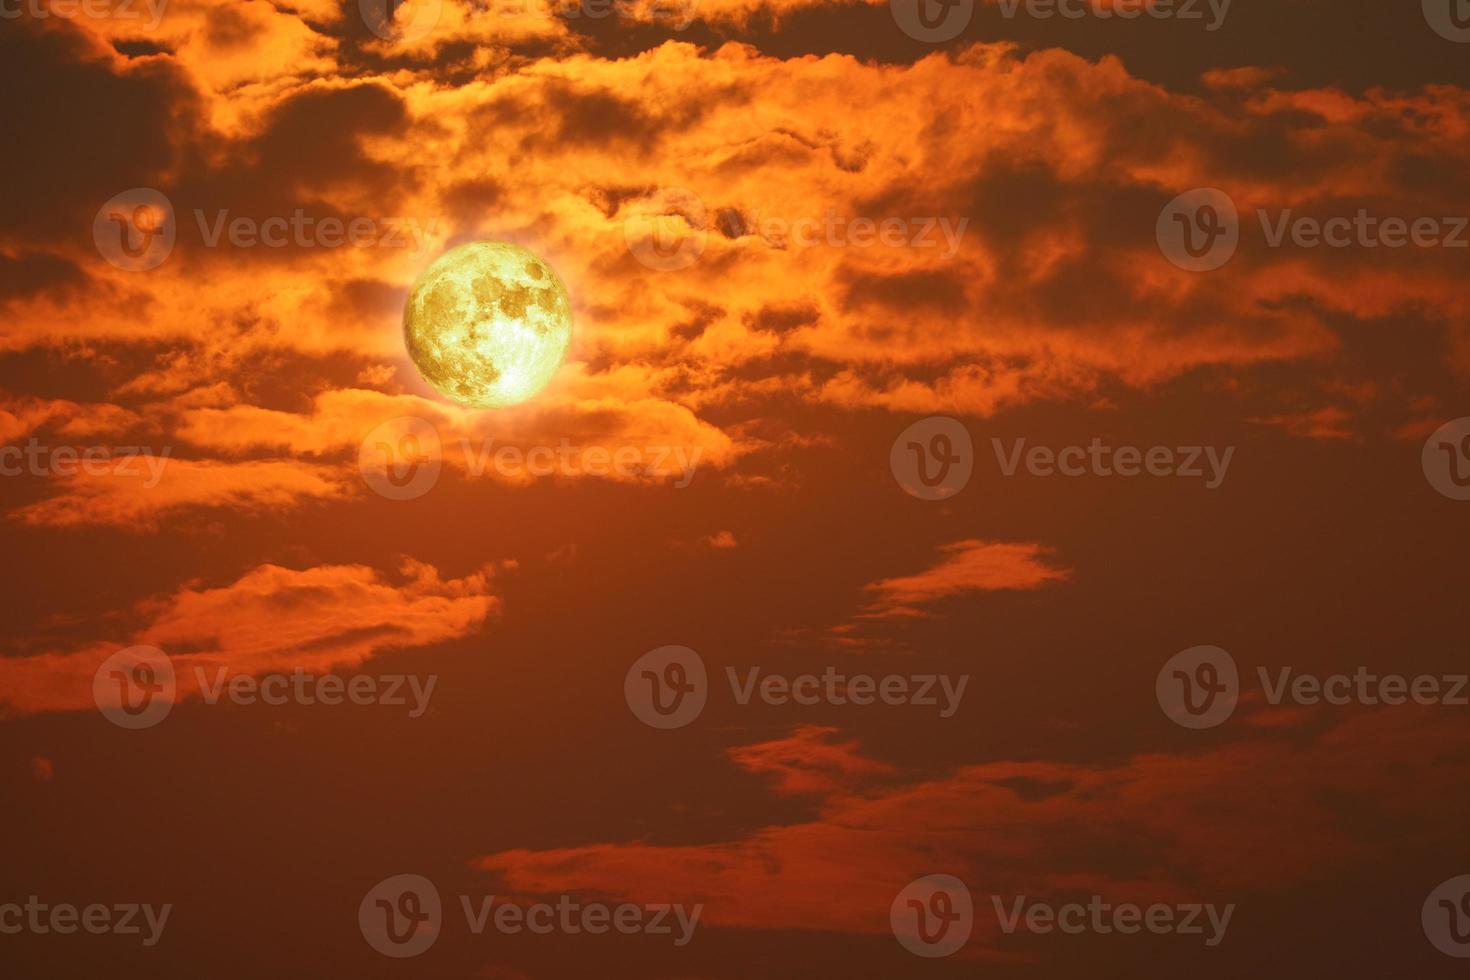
[(1180, 299)]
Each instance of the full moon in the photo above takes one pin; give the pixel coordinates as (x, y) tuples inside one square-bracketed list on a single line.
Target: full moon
[(487, 324)]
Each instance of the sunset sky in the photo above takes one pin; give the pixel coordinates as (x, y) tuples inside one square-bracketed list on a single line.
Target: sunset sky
[(809, 246)]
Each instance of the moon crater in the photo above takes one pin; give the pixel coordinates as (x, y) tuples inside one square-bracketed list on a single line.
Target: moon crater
[(487, 324)]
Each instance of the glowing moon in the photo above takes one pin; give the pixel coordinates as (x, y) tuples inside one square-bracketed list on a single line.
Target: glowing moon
[(487, 324)]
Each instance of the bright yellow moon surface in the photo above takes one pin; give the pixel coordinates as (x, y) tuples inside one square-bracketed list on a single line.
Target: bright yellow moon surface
[(487, 324)]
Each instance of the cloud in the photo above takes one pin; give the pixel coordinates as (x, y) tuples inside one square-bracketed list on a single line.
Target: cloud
[(670, 440), (135, 493), (1328, 422), (24, 416), (970, 566), (1248, 817), (270, 619), (1057, 166), (811, 761), (221, 454)]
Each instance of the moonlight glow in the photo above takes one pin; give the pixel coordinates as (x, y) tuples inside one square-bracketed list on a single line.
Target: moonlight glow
[(487, 324)]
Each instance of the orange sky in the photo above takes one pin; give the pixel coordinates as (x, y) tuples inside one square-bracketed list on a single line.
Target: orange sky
[(852, 230)]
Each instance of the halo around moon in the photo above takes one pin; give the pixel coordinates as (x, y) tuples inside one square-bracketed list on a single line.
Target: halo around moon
[(487, 324)]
